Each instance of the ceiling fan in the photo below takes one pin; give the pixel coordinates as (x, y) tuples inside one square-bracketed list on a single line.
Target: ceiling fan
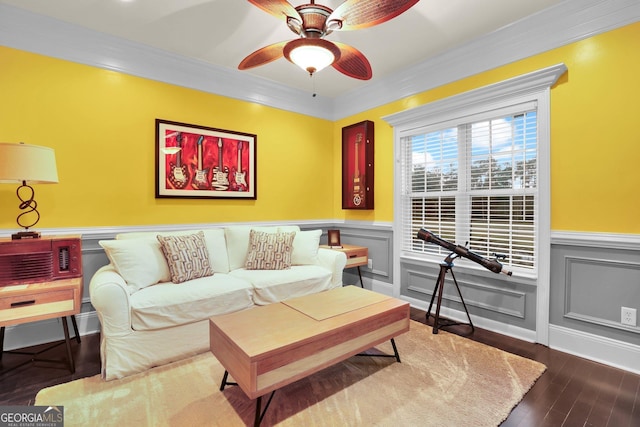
[(313, 22)]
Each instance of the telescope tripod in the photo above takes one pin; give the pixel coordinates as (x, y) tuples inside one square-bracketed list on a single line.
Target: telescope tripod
[(446, 266)]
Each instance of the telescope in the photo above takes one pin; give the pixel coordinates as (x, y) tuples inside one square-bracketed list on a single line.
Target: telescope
[(489, 264)]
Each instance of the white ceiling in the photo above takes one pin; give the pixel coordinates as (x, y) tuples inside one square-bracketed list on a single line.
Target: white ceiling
[(223, 32)]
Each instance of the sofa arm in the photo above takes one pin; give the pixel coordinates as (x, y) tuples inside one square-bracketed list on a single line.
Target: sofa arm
[(334, 261), (110, 297)]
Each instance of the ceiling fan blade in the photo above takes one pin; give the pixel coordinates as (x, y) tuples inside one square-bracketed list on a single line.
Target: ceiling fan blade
[(352, 62), (263, 56), (356, 14), (278, 8)]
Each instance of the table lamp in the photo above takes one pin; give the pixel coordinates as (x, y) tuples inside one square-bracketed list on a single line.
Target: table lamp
[(24, 163)]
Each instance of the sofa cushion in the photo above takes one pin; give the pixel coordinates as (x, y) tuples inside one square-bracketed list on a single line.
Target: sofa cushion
[(187, 256), (269, 251), (305, 247), (140, 262), (237, 237), (213, 237), (271, 286), (168, 304)]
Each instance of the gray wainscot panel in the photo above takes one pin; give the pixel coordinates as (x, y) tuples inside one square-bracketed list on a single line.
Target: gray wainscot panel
[(590, 285), (93, 257), (506, 300), (379, 242)]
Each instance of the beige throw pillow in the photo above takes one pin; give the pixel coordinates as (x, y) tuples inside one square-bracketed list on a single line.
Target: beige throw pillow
[(187, 256), (269, 251)]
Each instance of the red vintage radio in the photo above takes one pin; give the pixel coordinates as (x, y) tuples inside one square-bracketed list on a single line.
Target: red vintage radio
[(40, 260)]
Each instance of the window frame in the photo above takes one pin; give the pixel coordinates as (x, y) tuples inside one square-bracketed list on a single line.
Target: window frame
[(534, 86)]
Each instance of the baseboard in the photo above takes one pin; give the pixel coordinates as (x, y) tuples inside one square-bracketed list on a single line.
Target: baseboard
[(610, 352), (480, 322), (599, 349), (381, 287), (35, 333), (488, 324), (592, 347)]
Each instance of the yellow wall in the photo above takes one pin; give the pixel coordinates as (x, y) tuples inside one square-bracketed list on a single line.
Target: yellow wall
[(102, 127), (595, 141), (101, 124)]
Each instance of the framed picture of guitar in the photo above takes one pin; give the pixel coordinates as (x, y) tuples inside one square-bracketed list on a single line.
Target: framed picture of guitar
[(357, 166), (203, 162)]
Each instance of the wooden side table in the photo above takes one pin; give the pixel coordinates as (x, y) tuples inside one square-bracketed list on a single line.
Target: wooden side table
[(356, 256), (40, 301)]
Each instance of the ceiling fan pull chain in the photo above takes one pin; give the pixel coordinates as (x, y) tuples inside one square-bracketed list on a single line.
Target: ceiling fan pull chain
[(314, 85)]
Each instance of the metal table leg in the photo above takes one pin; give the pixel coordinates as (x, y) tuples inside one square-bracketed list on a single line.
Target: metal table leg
[(395, 354), (259, 410)]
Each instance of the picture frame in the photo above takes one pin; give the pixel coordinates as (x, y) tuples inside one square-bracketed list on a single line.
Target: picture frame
[(358, 166), (195, 161), (333, 239)]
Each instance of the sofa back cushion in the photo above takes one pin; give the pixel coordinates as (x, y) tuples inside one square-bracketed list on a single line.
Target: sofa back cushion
[(237, 237), (305, 247), (305, 244), (140, 262), (213, 237)]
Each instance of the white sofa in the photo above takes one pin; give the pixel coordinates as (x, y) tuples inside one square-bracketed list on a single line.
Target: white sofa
[(147, 320)]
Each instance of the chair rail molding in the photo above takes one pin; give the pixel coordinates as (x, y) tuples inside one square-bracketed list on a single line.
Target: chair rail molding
[(591, 239)]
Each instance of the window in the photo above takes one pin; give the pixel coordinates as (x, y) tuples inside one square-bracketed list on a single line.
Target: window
[(469, 193), (474, 169), (473, 181)]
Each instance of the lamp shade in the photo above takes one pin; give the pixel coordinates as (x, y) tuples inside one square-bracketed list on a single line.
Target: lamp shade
[(311, 54), (311, 57), (30, 163)]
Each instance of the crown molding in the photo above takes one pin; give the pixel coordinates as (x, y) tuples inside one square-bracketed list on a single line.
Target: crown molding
[(532, 82), (40, 34), (567, 22)]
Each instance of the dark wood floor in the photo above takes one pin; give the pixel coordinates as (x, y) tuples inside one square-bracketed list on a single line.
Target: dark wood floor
[(20, 384), (572, 392)]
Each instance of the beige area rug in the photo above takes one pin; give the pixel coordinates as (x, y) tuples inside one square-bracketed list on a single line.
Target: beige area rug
[(443, 380)]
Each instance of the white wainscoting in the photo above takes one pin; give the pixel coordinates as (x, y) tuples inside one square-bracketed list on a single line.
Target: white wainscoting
[(597, 347)]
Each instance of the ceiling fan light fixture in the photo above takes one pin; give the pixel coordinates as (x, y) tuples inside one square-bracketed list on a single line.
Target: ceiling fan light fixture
[(311, 58), (312, 55), (312, 22)]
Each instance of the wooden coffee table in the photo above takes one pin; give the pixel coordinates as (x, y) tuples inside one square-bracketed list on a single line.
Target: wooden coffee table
[(265, 348)]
